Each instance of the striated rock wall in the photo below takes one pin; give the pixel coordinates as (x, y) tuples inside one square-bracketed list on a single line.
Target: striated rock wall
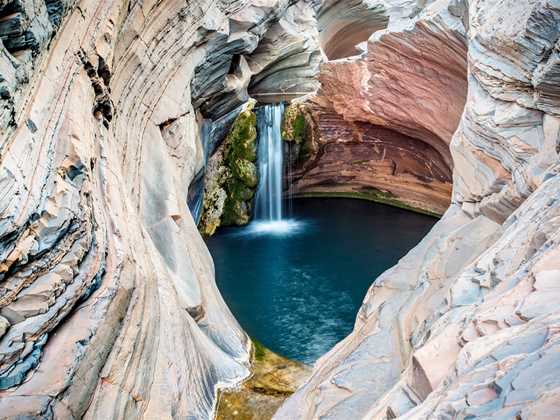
[(385, 117), (466, 325), (368, 161), (108, 307)]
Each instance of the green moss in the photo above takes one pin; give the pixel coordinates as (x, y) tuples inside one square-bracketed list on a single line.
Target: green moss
[(245, 172), (273, 379), (372, 195), (299, 128), (236, 212), (240, 155), (259, 351), (235, 174), (242, 138), (294, 125), (239, 191)]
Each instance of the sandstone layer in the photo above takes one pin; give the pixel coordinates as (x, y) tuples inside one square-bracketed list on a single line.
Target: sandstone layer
[(108, 306), (363, 160), (466, 325), (385, 117)]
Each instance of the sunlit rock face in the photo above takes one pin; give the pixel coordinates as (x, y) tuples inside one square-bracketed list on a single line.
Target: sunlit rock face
[(385, 117), (108, 306), (466, 325), (343, 25)]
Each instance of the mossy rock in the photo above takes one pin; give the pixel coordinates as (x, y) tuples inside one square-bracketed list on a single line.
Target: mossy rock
[(274, 378), (298, 129), (239, 191), (246, 172), (239, 175), (241, 154), (242, 139), (294, 124), (259, 350), (236, 213)]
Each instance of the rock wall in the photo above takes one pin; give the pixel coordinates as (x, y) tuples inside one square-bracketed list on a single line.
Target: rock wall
[(108, 306), (385, 117), (362, 160), (466, 325), (231, 176), (344, 25)]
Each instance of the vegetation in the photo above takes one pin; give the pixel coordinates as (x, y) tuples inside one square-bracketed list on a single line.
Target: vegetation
[(372, 195), (240, 158), (273, 379), (232, 182), (297, 129), (259, 350)]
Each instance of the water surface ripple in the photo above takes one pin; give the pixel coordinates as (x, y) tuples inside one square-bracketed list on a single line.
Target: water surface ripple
[(296, 285)]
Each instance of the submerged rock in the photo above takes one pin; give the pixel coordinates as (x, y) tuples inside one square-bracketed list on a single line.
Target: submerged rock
[(274, 378)]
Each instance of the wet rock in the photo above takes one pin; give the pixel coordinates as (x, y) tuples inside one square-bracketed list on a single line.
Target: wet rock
[(231, 177)]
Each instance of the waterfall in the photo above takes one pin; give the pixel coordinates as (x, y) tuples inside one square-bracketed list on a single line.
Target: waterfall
[(268, 201)]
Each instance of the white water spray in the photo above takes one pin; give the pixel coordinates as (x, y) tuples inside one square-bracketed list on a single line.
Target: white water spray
[(268, 201)]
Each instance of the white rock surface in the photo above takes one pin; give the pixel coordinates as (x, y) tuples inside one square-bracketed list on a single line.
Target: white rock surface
[(466, 325), (108, 306)]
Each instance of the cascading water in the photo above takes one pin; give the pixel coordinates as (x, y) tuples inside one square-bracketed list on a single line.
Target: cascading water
[(268, 202), (269, 197)]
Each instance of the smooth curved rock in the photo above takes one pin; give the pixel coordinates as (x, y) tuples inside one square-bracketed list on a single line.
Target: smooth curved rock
[(466, 324), (106, 285)]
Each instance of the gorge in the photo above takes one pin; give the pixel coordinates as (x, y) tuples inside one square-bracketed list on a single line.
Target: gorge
[(297, 288), (129, 129)]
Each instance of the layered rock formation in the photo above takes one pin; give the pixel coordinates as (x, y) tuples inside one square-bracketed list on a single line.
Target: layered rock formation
[(466, 325), (108, 307), (385, 118), (344, 25), (362, 160)]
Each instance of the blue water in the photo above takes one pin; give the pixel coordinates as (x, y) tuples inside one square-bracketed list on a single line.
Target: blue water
[(297, 286)]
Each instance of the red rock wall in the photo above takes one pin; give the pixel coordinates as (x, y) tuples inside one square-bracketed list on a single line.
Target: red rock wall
[(358, 157), (385, 119)]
